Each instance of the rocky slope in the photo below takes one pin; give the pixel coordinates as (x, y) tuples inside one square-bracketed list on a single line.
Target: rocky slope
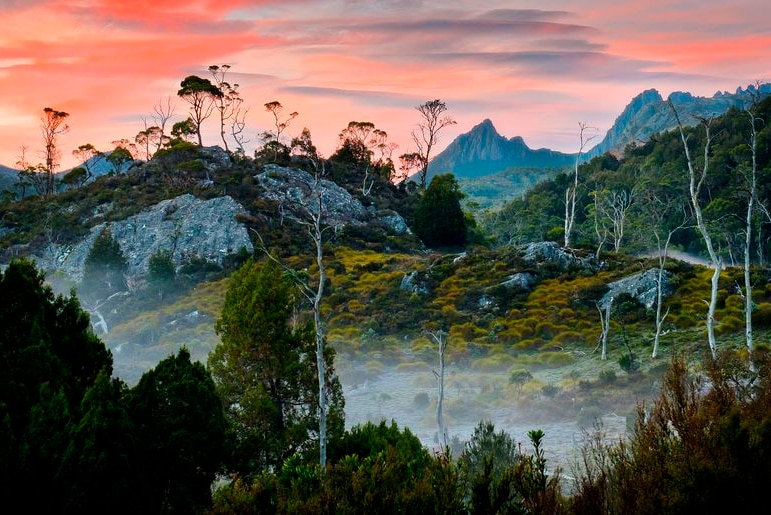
[(648, 114)]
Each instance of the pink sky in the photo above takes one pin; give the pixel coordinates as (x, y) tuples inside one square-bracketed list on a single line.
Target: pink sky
[(536, 69)]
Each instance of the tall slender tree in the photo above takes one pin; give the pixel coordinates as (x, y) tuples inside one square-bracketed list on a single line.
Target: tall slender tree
[(696, 179), (52, 125), (571, 192), (228, 102), (201, 94), (425, 137)]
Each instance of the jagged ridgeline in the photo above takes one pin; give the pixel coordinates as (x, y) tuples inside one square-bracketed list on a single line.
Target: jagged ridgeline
[(650, 179)]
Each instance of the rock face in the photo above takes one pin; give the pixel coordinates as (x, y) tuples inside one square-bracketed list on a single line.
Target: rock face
[(641, 286), (648, 114), (185, 226), (482, 151), (293, 189)]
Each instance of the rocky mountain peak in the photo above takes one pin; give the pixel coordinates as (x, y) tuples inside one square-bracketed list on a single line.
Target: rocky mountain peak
[(483, 151)]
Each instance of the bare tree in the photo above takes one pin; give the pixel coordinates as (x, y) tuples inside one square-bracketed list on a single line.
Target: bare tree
[(572, 190), (440, 337), (238, 126), (228, 103), (599, 222), (425, 136), (614, 206), (695, 183), (52, 126), (162, 114), (605, 325), (658, 211)]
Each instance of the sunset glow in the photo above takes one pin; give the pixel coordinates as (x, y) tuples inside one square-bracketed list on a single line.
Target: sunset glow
[(536, 69)]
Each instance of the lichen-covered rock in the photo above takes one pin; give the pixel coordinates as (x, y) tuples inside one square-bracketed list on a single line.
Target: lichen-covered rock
[(185, 226), (550, 252), (522, 281), (642, 286), (294, 190)]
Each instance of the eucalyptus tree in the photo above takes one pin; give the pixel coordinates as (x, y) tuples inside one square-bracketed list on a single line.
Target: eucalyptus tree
[(312, 213), (228, 102), (201, 94), (572, 190), (52, 125), (433, 119), (88, 156), (696, 178)]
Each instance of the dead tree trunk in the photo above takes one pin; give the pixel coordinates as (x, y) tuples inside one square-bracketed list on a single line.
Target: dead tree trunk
[(440, 337)]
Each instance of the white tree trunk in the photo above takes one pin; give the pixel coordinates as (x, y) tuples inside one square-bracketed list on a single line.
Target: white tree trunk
[(440, 338), (695, 184)]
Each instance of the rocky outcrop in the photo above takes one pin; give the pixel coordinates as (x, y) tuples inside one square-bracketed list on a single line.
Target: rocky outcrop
[(521, 281), (293, 189), (549, 252), (185, 226), (641, 286)]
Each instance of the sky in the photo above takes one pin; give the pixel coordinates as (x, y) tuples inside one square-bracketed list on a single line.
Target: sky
[(537, 69)]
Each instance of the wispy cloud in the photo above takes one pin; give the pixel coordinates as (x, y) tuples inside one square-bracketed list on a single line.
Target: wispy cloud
[(536, 70)]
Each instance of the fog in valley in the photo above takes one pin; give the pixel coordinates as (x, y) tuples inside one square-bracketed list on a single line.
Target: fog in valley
[(410, 397)]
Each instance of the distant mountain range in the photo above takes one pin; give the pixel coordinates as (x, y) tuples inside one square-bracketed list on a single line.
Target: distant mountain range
[(483, 151)]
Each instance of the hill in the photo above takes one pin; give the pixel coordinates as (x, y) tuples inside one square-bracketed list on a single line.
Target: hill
[(524, 306)]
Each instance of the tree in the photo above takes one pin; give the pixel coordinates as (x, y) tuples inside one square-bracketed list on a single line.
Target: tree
[(440, 337), (201, 94), (313, 212), (183, 131), (264, 369), (148, 140), (89, 156), (161, 116), (752, 194), (180, 435), (161, 271), (275, 108), (439, 219), (104, 268), (572, 190), (50, 359), (660, 206), (99, 466), (695, 182), (426, 136), (52, 126), (120, 156), (228, 102)]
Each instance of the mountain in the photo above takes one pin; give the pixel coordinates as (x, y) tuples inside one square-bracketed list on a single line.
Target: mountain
[(8, 177), (482, 151), (648, 114)]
